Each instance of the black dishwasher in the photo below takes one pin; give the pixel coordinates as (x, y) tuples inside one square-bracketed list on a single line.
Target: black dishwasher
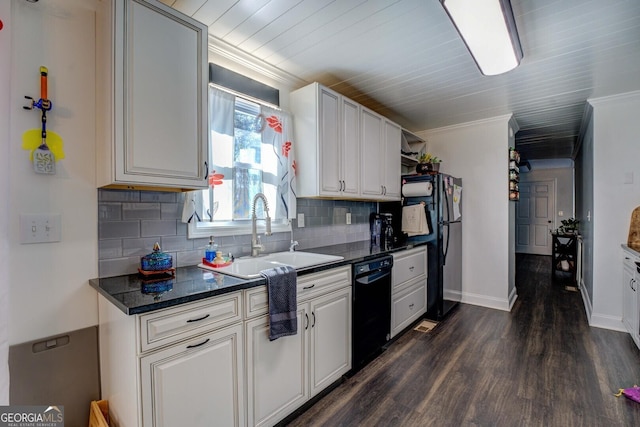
[(371, 321)]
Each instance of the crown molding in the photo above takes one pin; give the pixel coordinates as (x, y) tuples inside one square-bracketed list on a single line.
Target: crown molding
[(221, 48)]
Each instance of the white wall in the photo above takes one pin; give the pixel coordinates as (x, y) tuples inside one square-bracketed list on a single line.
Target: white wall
[(5, 89), (478, 152), (584, 206), (616, 154), (49, 288)]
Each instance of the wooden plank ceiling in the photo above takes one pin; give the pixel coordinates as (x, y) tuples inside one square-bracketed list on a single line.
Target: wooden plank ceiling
[(404, 59)]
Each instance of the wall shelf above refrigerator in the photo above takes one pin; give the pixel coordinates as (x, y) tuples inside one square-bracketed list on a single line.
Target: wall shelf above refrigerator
[(411, 147)]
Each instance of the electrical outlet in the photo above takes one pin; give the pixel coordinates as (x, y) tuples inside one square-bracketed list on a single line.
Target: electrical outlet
[(40, 228), (560, 213), (300, 220), (348, 218)]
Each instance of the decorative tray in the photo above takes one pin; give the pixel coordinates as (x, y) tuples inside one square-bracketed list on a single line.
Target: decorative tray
[(216, 264), (168, 272)]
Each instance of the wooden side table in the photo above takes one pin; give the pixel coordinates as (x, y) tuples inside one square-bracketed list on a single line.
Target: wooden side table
[(564, 256)]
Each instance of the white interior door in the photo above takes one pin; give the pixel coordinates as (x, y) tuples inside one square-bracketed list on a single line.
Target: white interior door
[(535, 217)]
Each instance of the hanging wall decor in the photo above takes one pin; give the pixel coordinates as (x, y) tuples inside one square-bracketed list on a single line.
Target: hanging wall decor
[(514, 175), (45, 147)]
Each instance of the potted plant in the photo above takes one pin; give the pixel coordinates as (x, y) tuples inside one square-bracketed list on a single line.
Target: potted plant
[(569, 226), (428, 163)]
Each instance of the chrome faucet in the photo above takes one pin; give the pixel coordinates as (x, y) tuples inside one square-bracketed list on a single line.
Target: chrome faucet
[(292, 246), (256, 244)]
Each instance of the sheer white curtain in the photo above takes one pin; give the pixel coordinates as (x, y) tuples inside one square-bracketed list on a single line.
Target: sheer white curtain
[(278, 133), (275, 170), (221, 111)]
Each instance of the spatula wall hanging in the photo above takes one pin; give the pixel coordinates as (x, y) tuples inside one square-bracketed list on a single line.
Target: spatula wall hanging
[(45, 147)]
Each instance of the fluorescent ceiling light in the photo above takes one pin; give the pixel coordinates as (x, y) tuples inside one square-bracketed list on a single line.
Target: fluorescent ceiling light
[(489, 30)]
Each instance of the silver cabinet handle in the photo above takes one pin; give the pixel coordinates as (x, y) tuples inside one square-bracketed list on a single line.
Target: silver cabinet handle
[(411, 306), (306, 323), (313, 313), (411, 268)]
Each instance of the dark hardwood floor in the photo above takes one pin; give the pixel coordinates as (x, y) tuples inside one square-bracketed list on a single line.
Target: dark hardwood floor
[(539, 365)]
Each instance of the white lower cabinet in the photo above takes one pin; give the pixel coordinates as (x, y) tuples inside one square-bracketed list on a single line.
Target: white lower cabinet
[(409, 288), (408, 306), (179, 366), (330, 340), (285, 373), (631, 298), (196, 382), (276, 372), (207, 363)]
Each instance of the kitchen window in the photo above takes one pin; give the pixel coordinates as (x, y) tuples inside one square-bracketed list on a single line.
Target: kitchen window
[(251, 152)]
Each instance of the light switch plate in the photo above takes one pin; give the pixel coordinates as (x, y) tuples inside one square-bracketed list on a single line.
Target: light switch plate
[(300, 220), (348, 218), (40, 228)]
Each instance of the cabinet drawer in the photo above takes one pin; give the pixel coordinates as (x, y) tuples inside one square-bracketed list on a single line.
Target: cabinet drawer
[(409, 264), (256, 300), (313, 285), (168, 326), (408, 306)]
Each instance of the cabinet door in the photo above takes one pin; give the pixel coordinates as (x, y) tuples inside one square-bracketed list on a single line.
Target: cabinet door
[(329, 140), (350, 142), (195, 383), (330, 338), (161, 96), (371, 153), (630, 299), (408, 305), (276, 371), (391, 160)]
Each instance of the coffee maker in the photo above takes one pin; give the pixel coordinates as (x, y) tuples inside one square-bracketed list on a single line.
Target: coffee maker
[(382, 237)]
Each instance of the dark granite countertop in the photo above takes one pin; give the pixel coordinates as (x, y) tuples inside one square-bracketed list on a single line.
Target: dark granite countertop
[(135, 294)]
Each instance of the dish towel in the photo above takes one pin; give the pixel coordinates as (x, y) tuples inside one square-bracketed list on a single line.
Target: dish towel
[(283, 306), (414, 220)]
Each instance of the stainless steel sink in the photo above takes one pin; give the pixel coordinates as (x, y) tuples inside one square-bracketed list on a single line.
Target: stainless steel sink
[(250, 267)]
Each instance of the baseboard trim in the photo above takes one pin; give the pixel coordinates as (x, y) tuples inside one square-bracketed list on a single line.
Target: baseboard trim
[(485, 301), (604, 321), (597, 320)]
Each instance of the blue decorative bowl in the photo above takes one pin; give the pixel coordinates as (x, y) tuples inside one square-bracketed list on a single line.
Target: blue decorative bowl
[(156, 261)]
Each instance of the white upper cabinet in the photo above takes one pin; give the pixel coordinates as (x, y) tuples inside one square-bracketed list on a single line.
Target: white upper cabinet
[(326, 132), (380, 156), (350, 148), (372, 154), (392, 169), (152, 120), (345, 150)]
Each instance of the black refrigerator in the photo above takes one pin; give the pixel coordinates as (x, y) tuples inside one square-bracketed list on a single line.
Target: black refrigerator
[(441, 197)]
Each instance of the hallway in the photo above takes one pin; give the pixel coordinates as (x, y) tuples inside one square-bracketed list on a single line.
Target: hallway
[(540, 365)]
